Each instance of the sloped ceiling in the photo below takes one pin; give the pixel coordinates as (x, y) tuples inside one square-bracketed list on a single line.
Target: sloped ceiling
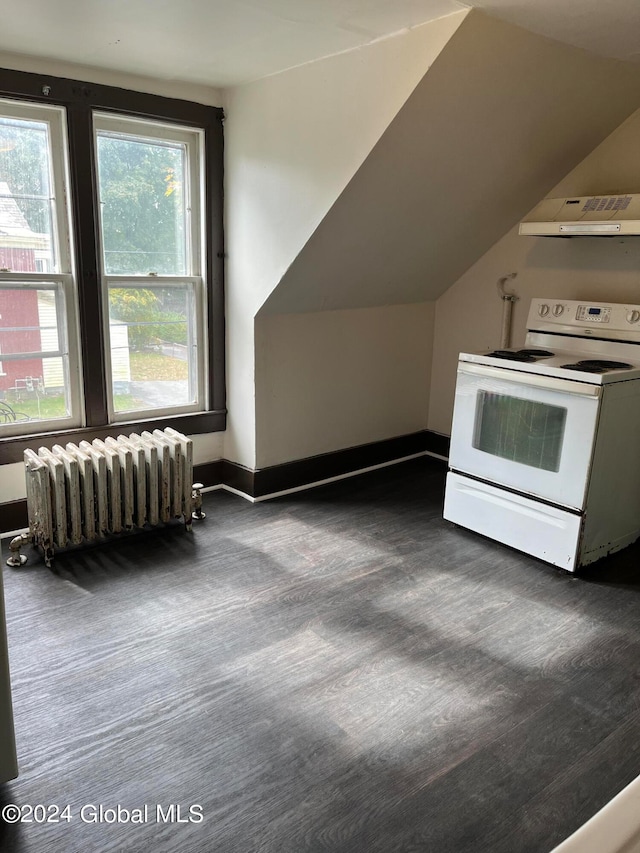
[(210, 42), (500, 117), (609, 29), (220, 43)]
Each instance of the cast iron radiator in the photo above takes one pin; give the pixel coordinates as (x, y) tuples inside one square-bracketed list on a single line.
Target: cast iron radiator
[(89, 491)]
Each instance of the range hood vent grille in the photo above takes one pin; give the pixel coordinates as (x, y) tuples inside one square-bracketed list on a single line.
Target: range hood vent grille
[(585, 216)]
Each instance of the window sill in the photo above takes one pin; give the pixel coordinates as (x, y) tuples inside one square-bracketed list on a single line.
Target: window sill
[(12, 449)]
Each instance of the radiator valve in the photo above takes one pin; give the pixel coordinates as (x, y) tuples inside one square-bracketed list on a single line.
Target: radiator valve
[(16, 559), (196, 497)]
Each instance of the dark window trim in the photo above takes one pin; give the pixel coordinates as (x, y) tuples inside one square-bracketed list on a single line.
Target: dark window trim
[(80, 99), (11, 449)]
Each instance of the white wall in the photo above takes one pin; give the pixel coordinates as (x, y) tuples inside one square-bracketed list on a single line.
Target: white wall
[(339, 203), (336, 379), (292, 142), (12, 483), (468, 315)]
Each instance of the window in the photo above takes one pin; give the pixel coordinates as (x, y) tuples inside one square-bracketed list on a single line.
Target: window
[(150, 176), (111, 282), (38, 334)]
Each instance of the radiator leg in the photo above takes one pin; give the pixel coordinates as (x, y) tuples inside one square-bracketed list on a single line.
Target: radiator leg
[(197, 514), (16, 559)]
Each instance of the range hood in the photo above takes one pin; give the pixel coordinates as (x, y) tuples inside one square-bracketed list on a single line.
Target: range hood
[(586, 216)]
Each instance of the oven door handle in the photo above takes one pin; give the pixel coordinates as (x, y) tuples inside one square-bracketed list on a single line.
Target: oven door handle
[(538, 380)]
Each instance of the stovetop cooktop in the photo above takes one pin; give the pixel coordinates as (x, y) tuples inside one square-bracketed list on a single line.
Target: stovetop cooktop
[(527, 355), (577, 366), (597, 365), (586, 365)]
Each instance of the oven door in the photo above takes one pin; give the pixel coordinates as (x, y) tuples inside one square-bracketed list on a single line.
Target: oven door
[(528, 432)]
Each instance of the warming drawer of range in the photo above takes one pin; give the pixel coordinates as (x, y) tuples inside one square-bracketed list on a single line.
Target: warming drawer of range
[(546, 532)]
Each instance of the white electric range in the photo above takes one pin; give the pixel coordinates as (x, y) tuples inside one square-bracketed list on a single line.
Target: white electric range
[(545, 442)]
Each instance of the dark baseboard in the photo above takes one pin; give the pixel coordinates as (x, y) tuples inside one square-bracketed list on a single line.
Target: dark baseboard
[(238, 477), (303, 472), (209, 473), (290, 475), (13, 516)]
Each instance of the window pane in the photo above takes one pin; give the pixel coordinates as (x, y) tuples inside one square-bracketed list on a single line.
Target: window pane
[(34, 387), (152, 347), (28, 321), (523, 431), (142, 196), (35, 397), (26, 228)]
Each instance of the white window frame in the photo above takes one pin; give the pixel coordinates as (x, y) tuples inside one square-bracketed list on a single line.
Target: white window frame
[(194, 279), (62, 280)]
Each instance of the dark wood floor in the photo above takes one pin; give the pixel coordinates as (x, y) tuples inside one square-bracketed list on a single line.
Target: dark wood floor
[(338, 670)]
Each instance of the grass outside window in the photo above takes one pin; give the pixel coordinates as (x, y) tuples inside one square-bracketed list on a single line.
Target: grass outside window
[(145, 366)]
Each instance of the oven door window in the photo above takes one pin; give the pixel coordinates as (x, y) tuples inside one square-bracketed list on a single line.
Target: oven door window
[(525, 431)]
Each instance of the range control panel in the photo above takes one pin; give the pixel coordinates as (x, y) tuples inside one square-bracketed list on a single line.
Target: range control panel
[(593, 314), (585, 318)]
